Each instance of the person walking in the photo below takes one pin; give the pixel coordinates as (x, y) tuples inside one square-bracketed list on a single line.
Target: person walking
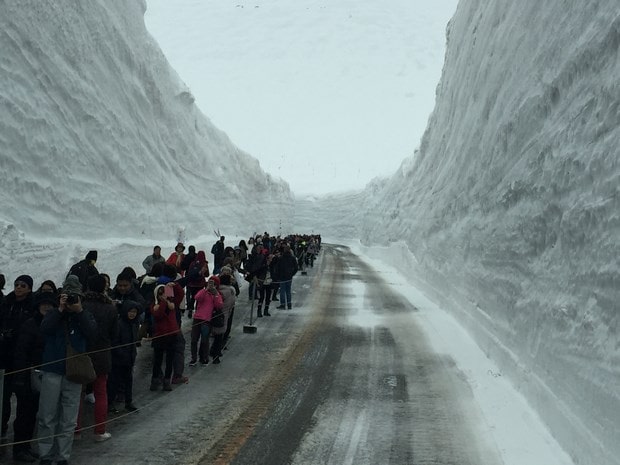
[(286, 269)]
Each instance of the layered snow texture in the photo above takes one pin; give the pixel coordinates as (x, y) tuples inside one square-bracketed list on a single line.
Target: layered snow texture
[(99, 135), (511, 205)]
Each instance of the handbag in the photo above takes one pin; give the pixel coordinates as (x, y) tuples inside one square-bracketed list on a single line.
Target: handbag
[(79, 367), (267, 281)]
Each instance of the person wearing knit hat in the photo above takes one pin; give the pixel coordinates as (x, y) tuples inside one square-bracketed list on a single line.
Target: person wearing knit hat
[(29, 353), (84, 269), (72, 286), (15, 310), (25, 279), (68, 325)]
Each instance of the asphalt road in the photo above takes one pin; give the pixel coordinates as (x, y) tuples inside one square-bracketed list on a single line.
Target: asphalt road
[(345, 377)]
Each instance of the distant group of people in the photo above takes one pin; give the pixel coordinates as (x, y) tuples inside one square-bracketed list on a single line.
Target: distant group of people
[(88, 315)]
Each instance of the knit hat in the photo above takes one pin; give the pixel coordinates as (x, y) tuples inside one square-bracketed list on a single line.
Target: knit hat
[(91, 255), (45, 298), (215, 279), (25, 279), (97, 283), (72, 285)]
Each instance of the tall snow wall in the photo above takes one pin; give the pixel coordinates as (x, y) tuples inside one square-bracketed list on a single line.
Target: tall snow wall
[(99, 136), (513, 201)]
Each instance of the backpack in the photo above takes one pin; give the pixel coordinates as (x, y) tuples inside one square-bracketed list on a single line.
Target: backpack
[(194, 270)]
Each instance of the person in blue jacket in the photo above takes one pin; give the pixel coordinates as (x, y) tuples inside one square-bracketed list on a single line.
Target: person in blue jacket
[(60, 398)]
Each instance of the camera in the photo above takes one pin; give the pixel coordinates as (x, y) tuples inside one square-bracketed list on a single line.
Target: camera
[(72, 299)]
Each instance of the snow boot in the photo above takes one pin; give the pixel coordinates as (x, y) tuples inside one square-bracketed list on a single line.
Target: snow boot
[(267, 311), (259, 313)]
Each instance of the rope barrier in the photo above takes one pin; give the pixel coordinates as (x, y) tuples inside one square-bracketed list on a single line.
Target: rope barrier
[(116, 417)]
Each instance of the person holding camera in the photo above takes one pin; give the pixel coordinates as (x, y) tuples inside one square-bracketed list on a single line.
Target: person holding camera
[(165, 334), (59, 401), (207, 299)]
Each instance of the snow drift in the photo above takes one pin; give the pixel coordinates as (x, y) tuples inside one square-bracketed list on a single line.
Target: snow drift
[(511, 207), (99, 135)]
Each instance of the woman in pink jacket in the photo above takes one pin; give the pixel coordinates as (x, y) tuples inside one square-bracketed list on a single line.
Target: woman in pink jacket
[(207, 299)]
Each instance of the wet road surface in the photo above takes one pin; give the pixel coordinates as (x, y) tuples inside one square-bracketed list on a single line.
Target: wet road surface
[(345, 377)]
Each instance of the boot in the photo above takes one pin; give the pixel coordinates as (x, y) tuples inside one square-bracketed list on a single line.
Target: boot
[(267, 311), (167, 386), (155, 382), (289, 306), (259, 313)]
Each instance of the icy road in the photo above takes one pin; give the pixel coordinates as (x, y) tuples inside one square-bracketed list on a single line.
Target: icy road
[(345, 377)]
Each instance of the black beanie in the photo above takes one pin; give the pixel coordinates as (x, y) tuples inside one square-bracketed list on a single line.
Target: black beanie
[(97, 283), (91, 255), (25, 279)]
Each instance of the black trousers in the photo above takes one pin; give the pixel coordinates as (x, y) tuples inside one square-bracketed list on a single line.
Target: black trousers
[(164, 345), (120, 377), (25, 412)]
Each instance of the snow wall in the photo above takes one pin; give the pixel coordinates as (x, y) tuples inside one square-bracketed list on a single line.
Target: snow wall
[(511, 205), (100, 137)]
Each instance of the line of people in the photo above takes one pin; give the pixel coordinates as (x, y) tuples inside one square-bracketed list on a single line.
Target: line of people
[(110, 324)]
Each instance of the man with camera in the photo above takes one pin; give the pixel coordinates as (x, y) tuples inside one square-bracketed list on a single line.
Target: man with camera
[(67, 324)]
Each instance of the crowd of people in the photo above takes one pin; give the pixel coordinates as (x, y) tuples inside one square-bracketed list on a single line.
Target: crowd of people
[(40, 328)]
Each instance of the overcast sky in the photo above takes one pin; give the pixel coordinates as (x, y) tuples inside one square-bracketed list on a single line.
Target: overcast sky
[(326, 95)]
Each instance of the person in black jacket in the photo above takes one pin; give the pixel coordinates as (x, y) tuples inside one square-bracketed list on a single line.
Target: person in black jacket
[(124, 356), (28, 354), (84, 269), (286, 269), (15, 310), (104, 311)]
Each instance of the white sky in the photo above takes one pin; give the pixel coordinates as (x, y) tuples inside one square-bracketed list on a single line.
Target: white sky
[(326, 95)]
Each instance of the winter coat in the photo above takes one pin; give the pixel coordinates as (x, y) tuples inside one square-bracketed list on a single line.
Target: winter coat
[(82, 328), (286, 267), (106, 316), (133, 295), (205, 303), (164, 318), (257, 266), (151, 260), (176, 259), (124, 352), (147, 286), (83, 269), (228, 303), (29, 348), (13, 314), (197, 271)]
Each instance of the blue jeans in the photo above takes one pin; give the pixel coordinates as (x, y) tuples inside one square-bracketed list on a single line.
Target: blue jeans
[(285, 292), (200, 332)]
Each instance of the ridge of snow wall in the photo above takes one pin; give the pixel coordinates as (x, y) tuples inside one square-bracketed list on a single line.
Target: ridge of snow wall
[(100, 136), (513, 199)]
